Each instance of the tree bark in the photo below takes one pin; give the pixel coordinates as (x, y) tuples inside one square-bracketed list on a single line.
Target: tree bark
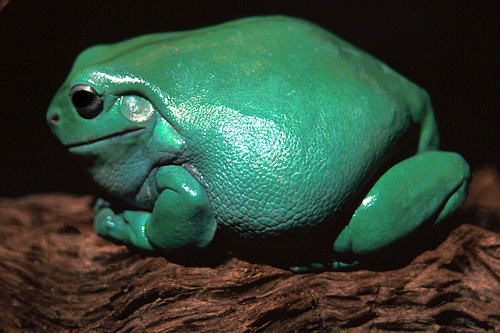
[(57, 275)]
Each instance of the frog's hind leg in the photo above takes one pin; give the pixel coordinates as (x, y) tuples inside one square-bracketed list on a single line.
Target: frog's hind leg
[(413, 195)]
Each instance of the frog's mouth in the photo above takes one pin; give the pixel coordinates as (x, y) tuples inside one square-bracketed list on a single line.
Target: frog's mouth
[(110, 137)]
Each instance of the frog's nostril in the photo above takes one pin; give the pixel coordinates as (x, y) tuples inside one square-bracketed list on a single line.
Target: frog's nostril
[(54, 118)]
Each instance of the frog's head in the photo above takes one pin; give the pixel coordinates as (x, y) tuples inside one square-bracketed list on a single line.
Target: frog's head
[(106, 117)]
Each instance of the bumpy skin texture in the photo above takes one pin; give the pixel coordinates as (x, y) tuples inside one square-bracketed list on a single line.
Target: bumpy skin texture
[(269, 128)]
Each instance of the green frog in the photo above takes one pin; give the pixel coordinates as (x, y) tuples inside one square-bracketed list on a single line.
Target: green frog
[(270, 131)]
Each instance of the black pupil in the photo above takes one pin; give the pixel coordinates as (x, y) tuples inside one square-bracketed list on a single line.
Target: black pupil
[(82, 99)]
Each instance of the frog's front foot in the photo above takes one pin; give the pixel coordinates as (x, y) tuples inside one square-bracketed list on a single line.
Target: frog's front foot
[(181, 217), (127, 227)]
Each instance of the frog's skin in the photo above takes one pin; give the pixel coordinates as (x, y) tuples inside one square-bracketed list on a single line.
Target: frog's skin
[(269, 130)]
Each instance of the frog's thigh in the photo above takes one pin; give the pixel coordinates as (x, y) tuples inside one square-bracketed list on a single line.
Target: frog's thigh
[(181, 217), (425, 187)]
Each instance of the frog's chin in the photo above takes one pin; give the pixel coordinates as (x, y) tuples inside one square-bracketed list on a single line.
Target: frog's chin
[(105, 139)]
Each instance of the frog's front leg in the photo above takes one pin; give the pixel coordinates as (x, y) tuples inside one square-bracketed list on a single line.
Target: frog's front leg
[(417, 192), (181, 216)]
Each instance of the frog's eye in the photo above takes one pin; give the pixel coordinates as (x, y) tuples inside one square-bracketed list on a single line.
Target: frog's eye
[(87, 102), (136, 109)]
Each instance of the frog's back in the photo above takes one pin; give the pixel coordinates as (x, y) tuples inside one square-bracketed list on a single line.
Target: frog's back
[(287, 124), (284, 122)]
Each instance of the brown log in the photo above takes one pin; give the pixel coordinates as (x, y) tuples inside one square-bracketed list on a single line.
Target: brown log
[(57, 275)]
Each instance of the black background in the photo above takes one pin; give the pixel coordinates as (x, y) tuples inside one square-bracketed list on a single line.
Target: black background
[(450, 48)]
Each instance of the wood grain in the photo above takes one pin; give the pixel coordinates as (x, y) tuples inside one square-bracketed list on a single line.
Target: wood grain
[(57, 275)]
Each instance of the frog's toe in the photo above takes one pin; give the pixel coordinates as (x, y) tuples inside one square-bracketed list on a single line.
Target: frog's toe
[(333, 265), (315, 267), (100, 204), (107, 224), (343, 266)]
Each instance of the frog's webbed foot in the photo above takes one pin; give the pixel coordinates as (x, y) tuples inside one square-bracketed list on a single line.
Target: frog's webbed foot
[(181, 217), (415, 194), (127, 227)]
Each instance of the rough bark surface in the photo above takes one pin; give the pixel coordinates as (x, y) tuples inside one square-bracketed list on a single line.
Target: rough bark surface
[(57, 275)]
